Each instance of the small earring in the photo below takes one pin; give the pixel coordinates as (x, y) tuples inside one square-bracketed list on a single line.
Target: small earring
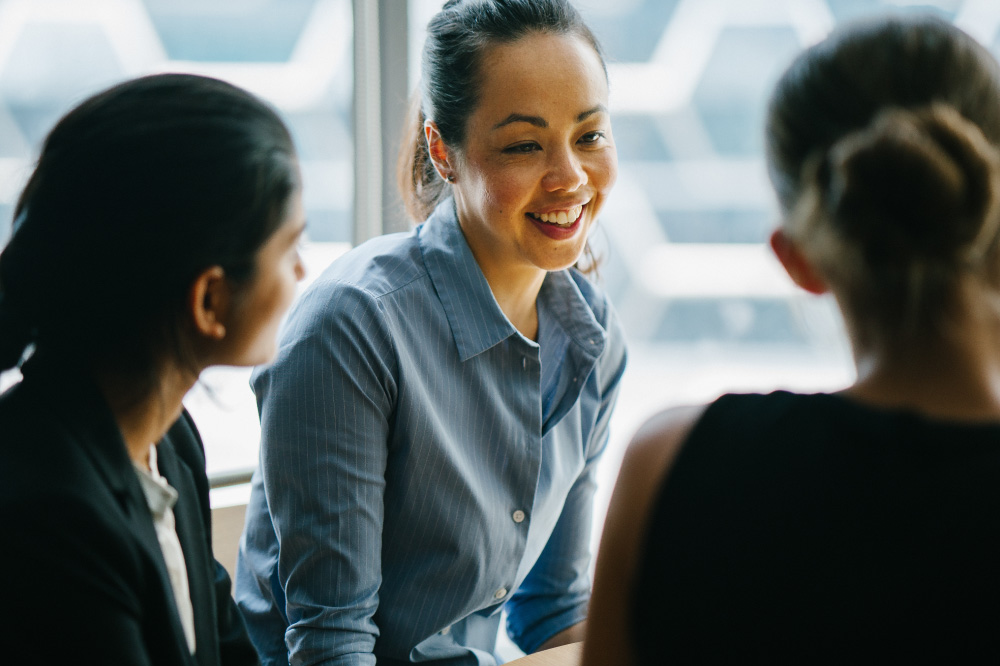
[(450, 178)]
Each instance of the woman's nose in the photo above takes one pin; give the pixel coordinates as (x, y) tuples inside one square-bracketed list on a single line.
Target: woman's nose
[(565, 173)]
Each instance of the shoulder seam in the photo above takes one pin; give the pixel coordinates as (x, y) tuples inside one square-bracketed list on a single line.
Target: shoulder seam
[(376, 296)]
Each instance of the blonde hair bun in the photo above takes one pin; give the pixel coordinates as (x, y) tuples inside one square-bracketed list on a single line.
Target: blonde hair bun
[(914, 186)]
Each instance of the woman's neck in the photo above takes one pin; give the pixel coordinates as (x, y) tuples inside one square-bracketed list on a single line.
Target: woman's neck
[(516, 292), (951, 376), (144, 420)]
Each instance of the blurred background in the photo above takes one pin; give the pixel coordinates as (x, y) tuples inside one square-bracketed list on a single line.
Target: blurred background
[(705, 307)]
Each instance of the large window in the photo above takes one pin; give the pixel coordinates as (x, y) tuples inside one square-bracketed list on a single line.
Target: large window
[(297, 54), (704, 305)]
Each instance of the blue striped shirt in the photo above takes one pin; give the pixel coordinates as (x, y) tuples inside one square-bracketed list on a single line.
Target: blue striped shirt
[(423, 464)]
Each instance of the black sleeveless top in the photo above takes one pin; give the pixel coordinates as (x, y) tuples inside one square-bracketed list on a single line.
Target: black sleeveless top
[(811, 528)]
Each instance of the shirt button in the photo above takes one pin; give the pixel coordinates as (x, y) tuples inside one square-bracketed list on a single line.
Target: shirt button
[(446, 631), (524, 362), (518, 516), (500, 594)]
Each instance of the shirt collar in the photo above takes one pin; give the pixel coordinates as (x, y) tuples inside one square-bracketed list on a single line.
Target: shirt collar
[(563, 299), (477, 322), (160, 495)]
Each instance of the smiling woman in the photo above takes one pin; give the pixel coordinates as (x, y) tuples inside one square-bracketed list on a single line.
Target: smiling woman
[(537, 163), (431, 428)]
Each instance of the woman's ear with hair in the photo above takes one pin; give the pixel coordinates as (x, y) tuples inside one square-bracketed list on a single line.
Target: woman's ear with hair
[(208, 302), (438, 151), (796, 265)]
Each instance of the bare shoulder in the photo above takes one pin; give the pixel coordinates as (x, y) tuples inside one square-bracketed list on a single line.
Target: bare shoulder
[(647, 461), (655, 445)]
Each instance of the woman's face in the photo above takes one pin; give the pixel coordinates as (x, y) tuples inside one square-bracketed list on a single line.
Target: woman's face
[(258, 306), (538, 159)]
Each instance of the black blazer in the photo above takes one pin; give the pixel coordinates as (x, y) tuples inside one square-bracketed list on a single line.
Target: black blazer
[(83, 578)]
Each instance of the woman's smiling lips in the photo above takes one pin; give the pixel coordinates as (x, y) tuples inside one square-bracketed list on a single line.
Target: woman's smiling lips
[(563, 218), (559, 224)]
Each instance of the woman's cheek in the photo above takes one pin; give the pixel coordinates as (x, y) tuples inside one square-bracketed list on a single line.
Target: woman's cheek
[(510, 187), (610, 169)]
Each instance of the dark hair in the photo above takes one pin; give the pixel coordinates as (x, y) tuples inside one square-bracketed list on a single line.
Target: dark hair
[(882, 147), (457, 37), (138, 190)]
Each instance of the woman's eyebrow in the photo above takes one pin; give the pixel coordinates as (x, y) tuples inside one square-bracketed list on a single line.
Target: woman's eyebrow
[(538, 121), (600, 108)]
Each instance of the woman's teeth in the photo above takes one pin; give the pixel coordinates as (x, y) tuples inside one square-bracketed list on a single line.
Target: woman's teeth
[(562, 218)]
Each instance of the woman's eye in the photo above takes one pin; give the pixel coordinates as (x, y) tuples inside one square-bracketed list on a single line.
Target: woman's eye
[(522, 148), (592, 137)]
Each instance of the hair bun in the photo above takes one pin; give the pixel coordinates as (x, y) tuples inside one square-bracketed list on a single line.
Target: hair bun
[(915, 185)]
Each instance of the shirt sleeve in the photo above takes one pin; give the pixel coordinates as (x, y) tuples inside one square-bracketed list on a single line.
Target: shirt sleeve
[(555, 593), (326, 408)]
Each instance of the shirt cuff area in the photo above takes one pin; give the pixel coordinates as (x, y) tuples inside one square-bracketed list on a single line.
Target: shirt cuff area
[(528, 634)]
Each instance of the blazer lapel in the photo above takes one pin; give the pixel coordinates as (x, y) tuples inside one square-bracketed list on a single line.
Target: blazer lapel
[(142, 527), (105, 447), (197, 556), (90, 423)]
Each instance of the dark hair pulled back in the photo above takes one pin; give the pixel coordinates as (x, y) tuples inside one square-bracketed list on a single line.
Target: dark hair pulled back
[(882, 146), (457, 37), (136, 191)]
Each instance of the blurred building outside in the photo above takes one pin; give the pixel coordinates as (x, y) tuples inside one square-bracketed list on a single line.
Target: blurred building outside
[(705, 307)]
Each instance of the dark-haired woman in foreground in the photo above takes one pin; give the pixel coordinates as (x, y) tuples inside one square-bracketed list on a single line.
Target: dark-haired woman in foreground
[(860, 525), (157, 236), (432, 423)]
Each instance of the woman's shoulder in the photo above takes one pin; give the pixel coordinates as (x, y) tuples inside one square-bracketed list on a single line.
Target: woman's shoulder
[(51, 489), (67, 539), (378, 266), (66, 448), (769, 406), (661, 437), (360, 283), (352, 286), (782, 410), (745, 417), (32, 434), (657, 442)]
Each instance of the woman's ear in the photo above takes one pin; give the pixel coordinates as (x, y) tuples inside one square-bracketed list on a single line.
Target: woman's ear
[(438, 151), (796, 265), (208, 302)]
